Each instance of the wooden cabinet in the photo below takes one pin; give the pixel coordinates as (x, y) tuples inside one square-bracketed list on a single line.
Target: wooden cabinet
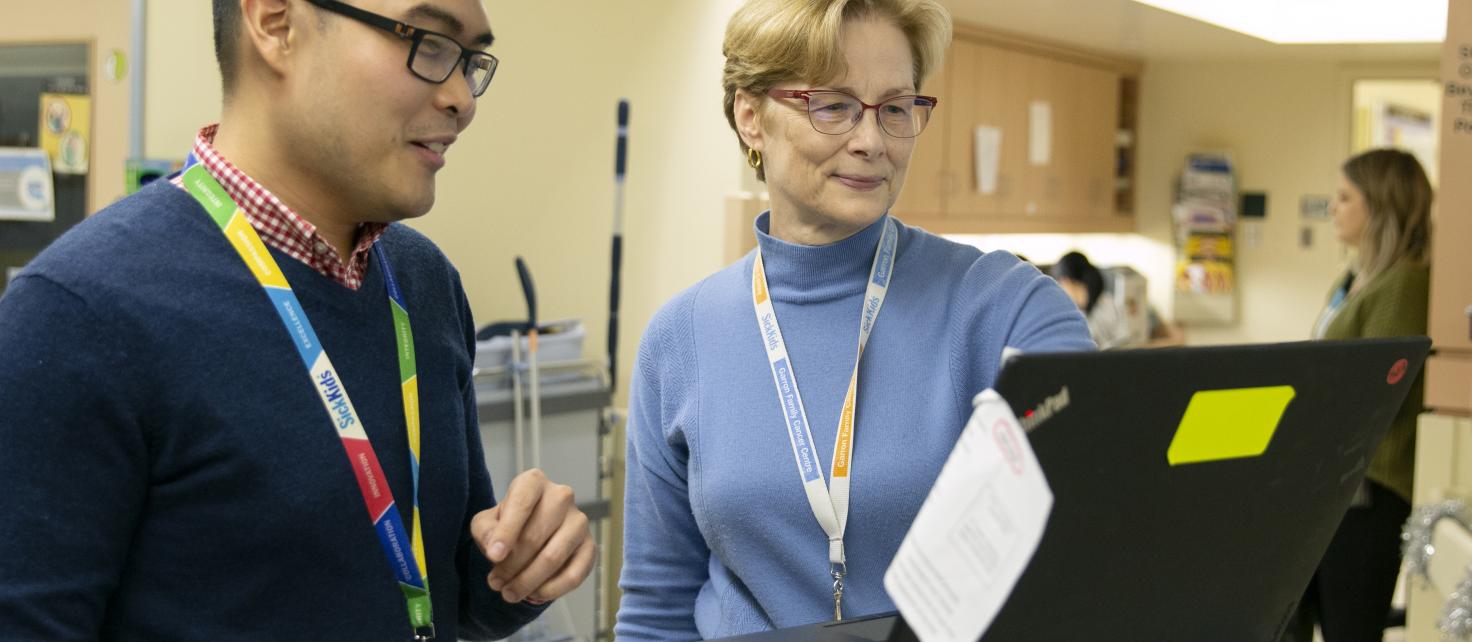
[(1449, 372), (925, 180), (1005, 85), (978, 71), (1451, 264)]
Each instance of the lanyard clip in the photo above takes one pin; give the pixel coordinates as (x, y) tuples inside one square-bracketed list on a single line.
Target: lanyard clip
[(838, 570), (424, 633)]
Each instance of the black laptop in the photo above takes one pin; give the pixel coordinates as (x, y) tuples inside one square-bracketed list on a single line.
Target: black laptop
[(1178, 515)]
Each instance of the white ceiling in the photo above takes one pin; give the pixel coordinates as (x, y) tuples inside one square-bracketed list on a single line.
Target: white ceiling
[(1125, 27)]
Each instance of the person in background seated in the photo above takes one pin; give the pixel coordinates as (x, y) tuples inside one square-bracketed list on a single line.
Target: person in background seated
[(1109, 326), (1085, 284)]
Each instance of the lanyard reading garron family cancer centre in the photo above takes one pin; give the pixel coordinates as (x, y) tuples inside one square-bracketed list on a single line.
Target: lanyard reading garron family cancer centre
[(407, 563), (828, 501)]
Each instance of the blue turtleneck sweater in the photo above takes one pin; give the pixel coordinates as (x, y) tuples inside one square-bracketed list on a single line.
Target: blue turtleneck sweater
[(719, 537)]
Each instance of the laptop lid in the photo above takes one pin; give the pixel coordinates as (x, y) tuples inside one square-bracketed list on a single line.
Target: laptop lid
[(1166, 524), (1169, 529)]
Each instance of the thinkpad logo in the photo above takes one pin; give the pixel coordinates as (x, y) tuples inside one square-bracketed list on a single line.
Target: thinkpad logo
[(1045, 411)]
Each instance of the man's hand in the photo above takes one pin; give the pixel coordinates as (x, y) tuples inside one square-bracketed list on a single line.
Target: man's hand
[(537, 540)]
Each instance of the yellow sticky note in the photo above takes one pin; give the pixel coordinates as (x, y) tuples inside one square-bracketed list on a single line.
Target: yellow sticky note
[(1228, 424)]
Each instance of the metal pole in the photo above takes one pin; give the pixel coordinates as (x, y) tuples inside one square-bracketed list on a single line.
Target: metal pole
[(138, 84), (520, 428)]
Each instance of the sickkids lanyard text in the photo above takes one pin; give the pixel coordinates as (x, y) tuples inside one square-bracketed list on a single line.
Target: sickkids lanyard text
[(828, 501), (407, 564)]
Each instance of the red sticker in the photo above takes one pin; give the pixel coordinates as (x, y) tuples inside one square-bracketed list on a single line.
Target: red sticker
[(1397, 372)]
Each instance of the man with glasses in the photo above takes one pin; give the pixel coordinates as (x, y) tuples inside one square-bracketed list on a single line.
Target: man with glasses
[(204, 386)]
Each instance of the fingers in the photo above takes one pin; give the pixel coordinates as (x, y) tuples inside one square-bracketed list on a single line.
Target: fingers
[(537, 539), (540, 530), (558, 556), (516, 508), (570, 576), (481, 527)]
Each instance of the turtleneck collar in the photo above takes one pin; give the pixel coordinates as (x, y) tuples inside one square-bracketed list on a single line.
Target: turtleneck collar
[(814, 273)]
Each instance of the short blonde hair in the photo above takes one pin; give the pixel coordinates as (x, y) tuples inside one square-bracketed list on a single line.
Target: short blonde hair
[(772, 41), (1398, 208)]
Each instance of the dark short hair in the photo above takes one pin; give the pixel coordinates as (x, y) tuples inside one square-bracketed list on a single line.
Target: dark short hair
[(1076, 267), (227, 40)]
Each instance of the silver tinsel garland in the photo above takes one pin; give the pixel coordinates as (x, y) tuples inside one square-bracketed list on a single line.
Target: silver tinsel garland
[(1456, 616), (1415, 538)]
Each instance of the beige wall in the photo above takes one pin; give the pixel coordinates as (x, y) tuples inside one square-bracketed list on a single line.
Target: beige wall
[(183, 83), (105, 25), (533, 176), (1287, 126)]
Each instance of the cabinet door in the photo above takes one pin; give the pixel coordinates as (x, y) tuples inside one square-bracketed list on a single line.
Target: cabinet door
[(1451, 286), (995, 100), (1095, 109), (1075, 186), (1035, 96), (990, 92), (1451, 264), (923, 196)]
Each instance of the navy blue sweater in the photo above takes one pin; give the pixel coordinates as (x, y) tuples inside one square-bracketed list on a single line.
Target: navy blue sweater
[(169, 471)]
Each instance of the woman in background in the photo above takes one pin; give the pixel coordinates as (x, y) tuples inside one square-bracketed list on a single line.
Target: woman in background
[(1382, 209)]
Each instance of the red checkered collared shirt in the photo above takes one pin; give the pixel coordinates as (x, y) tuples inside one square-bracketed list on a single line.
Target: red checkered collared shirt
[(278, 225)]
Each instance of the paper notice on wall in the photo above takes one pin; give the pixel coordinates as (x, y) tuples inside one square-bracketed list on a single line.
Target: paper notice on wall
[(976, 532), (1040, 132), (988, 148), (26, 192), (66, 131)]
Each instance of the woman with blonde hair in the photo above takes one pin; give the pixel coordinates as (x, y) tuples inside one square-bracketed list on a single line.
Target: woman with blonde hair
[(1382, 209), (753, 503)]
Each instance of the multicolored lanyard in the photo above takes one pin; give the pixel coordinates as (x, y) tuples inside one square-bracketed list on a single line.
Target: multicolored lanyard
[(408, 565), (828, 501)]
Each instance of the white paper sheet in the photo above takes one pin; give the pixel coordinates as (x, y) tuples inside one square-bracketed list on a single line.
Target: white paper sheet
[(976, 532), (1040, 132), (988, 149)]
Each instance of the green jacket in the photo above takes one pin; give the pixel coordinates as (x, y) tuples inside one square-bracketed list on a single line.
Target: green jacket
[(1393, 305)]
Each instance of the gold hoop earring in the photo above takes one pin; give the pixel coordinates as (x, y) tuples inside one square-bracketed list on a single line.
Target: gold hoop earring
[(753, 158)]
